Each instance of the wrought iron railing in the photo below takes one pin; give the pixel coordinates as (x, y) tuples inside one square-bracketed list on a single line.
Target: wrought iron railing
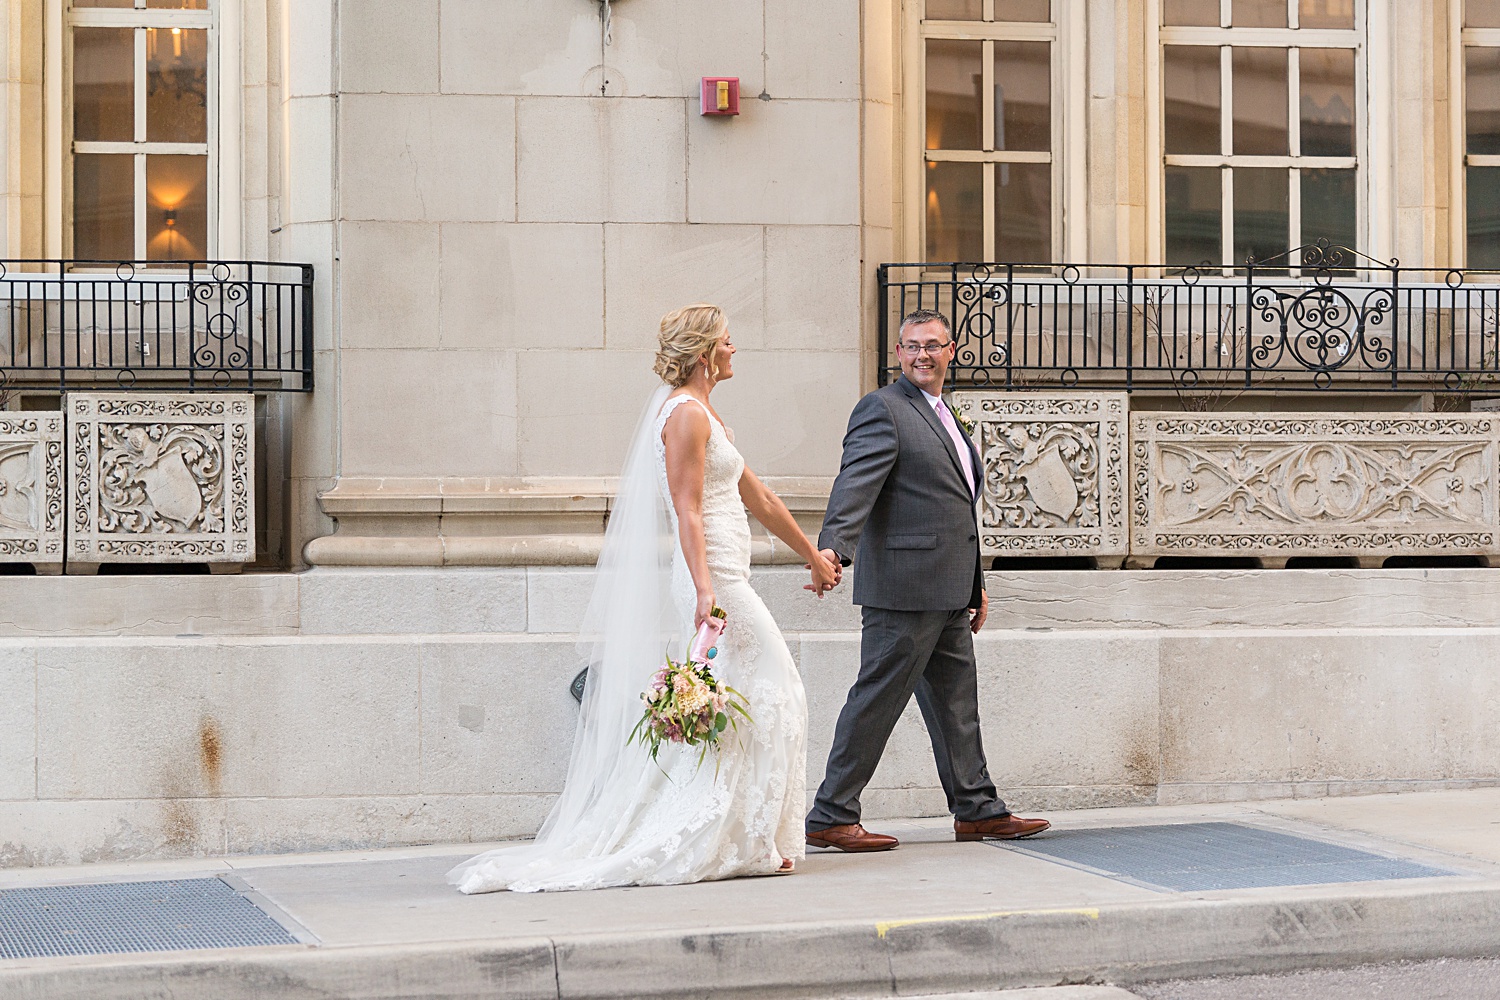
[(1316, 318), (203, 325)]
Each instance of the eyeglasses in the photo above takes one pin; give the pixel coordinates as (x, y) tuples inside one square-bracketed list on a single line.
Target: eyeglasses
[(917, 349)]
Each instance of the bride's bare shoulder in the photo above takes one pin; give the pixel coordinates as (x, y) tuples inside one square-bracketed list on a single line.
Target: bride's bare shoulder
[(684, 422)]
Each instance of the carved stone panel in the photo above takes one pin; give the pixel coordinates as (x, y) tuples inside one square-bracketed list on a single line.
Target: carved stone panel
[(31, 489), (1315, 484), (1054, 471), (157, 478)]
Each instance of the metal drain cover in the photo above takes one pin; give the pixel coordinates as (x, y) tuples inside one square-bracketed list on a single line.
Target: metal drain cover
[(1190, 857), (117, 917)]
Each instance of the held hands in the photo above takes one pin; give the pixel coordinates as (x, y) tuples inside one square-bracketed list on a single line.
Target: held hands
[(979, 614), (827, 572), (705, 605)]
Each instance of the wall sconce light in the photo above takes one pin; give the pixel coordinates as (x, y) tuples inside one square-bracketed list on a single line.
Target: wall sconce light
[(721, 96), (170, 217)]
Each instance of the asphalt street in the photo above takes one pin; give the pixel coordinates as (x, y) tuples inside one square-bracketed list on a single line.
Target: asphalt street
[(1442, 979)]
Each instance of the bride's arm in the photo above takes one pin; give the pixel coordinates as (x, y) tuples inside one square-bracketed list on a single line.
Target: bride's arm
[(686, 438), (770, 511)]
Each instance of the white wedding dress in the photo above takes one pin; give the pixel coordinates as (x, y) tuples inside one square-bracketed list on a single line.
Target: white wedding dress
[(623, 820)]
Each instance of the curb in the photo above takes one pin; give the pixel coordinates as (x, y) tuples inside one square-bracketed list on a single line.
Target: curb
[(1123, 943)]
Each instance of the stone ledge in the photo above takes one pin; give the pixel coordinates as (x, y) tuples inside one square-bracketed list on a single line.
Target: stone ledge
[(501, 522)]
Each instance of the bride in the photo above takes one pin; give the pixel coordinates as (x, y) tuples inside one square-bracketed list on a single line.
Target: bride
[(623, 819)]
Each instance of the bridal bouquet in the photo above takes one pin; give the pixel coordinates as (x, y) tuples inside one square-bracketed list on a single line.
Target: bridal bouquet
[(687, 704)]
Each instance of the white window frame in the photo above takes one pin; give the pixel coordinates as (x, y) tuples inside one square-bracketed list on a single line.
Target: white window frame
[(1458, 182), (225, 95), (1370, 131), (1069, 99)]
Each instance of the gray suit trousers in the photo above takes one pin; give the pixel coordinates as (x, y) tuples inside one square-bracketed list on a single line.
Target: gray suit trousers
[(929, 654)]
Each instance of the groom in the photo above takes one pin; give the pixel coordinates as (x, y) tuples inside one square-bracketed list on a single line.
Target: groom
[(902, 509)]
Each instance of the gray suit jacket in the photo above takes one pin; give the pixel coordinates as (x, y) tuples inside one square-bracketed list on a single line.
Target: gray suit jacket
[(900, 507)]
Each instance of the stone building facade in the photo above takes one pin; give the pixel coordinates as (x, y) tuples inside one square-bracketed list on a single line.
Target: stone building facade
[(500, 198)]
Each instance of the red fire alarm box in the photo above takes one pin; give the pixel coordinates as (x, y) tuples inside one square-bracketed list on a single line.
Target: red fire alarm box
[(721, 95)]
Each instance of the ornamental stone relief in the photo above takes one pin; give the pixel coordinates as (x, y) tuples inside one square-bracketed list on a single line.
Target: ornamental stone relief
[(161, 478), (1315, 484), (31, 490), (1054, 471)]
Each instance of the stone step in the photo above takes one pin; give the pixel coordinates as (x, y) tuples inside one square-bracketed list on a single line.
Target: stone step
[(550, 600)]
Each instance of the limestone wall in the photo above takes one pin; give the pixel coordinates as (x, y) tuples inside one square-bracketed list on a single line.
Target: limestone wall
[(340, 708), (502, 220)]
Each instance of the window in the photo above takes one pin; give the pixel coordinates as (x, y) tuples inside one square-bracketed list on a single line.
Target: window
[(139, 114), (1481, 131), (989, 130), (1259, 132)]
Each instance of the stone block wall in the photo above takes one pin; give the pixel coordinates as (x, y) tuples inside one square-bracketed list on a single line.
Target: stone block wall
[(344, 708), (502, 173)]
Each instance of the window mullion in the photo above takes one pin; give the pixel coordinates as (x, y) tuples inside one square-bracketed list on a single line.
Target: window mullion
[(987, 96), (1226, 101), (1226, 214), (1294, 212), (140, 206), (1293, 14), (139, 36), (1294, 101), (987, 201)]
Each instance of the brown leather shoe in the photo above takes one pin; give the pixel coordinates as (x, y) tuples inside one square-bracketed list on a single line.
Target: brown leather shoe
[(1003, 828), (852, 839)]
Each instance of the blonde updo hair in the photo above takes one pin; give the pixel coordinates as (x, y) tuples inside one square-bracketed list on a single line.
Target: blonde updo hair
[(687, 334)]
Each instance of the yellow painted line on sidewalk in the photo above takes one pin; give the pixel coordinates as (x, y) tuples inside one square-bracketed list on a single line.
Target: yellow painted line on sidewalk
[(881, 929)]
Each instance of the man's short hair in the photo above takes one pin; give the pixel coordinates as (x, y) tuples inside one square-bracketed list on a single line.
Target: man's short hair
[(921, 316)]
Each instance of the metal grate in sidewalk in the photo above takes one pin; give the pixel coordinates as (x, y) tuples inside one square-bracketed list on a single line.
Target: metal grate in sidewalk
[(115, 917), (1189, 857)]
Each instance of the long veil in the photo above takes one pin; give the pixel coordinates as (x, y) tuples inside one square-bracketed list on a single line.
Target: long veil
[(623, 635)]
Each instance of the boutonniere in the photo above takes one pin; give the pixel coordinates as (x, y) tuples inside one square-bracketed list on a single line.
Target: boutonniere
[(964, 422)]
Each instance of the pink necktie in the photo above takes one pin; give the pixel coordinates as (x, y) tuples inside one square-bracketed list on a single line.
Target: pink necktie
[(951, 425)]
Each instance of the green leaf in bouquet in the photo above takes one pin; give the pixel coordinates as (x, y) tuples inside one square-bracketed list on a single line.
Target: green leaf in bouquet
[(720, 721)]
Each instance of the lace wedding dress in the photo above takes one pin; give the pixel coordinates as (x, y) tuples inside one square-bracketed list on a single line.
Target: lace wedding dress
[(623, 820)]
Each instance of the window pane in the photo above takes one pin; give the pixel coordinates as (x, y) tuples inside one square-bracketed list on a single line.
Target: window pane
[(1023, 95), (177, 4), (1191, 91), (1482, 14), (1484, 216), (1328, 207), (1260, 97), (1325, 14), (176, 207), (1023, 212), (955, 211), (1195, 209), (1258, 14), (954, 78), (1190, 12), (176, 85), (1482, 99), (1261, 213), (103, 3), (103, 207), (1023, 10), (103, 85), (955, 10), (1327, 102)]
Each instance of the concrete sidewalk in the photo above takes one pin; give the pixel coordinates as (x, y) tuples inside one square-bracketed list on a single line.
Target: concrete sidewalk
[(933, 917)]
